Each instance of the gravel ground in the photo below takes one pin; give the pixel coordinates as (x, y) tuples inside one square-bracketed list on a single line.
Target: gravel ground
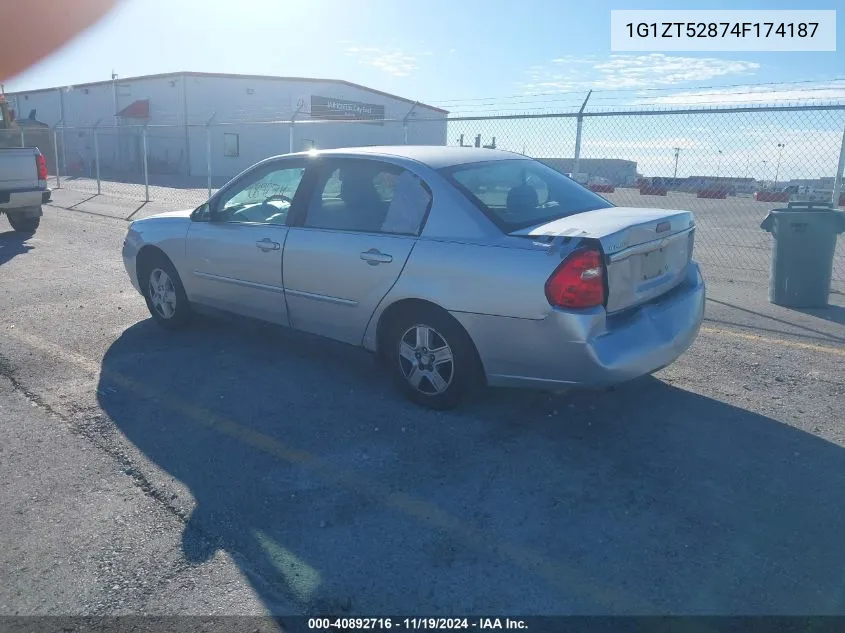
[(241, 469)]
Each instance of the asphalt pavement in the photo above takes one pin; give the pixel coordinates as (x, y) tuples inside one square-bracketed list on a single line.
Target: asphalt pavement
[(237, 468)]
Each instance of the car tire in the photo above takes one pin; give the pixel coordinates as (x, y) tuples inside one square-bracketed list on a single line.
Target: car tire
[(431, 358), (23, 223), (164, 293)]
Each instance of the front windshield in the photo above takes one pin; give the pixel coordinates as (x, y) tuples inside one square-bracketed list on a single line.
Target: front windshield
[(519, 193)]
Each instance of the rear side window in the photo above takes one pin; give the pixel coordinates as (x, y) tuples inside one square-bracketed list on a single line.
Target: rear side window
[(369, 197), (518, 193)]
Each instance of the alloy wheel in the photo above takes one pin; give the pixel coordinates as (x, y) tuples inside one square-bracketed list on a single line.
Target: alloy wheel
[(426, 360), (162, 293)]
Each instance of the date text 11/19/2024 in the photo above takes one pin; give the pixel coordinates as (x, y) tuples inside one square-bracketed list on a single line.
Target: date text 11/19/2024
[(427, 624)]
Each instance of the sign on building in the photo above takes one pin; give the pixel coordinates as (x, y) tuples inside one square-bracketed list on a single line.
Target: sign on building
[(343, 110)]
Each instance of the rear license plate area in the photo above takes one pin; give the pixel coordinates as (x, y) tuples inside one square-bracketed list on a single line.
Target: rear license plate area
[(653, 264)]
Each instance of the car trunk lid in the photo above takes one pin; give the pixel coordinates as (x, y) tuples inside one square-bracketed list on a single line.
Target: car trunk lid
[(646, 250)]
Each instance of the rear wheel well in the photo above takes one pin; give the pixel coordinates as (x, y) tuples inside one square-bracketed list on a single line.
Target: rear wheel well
[(144, 261), (405, 306)]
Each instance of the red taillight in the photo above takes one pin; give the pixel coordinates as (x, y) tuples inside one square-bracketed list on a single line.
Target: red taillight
[(41, 165), (578, 282)]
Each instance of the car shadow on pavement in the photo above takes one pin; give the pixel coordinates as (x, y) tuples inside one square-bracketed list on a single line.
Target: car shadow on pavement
[(12, 244), (334, 495)]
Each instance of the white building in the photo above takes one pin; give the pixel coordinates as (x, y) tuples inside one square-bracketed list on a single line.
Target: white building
[(247, 115)]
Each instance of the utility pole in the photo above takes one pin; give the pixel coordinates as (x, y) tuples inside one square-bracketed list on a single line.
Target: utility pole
[(777, 169), (677, 153)]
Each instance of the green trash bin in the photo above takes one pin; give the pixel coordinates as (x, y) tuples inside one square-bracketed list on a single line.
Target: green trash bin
[(802, 262)]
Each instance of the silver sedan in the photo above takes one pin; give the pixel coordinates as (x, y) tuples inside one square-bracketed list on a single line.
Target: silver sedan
[(458, 267)]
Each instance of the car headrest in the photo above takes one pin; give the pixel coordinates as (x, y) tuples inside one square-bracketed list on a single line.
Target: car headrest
[(522, 197)]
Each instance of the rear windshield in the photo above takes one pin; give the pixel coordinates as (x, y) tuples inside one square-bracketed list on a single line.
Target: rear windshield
[(519, 193)]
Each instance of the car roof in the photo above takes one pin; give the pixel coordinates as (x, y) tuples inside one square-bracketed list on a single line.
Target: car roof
[(434, 156)]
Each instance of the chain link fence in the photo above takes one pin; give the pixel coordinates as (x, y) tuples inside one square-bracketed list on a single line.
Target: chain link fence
[(729, 166)]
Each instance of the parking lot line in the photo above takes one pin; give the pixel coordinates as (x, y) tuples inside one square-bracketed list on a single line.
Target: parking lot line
[(837, 351), (568, 580)]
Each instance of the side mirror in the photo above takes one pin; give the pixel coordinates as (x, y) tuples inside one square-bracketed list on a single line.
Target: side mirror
[(202, 213)]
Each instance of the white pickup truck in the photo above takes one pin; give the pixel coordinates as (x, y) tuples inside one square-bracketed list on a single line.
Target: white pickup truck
[(23, 187)]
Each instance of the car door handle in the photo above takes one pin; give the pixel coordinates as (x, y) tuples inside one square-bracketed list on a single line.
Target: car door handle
[(268, 245), (374, 257)]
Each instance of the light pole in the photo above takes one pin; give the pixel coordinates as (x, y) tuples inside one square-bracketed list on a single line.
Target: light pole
[(675, 175), (719, 166), (764, 171), (777, 169)]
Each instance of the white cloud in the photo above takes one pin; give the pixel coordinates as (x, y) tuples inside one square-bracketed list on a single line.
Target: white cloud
[(572, 72), (393, 62)]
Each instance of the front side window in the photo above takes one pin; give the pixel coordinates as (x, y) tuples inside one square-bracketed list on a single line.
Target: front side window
[(263, 196), (519, 193), (370, 197)]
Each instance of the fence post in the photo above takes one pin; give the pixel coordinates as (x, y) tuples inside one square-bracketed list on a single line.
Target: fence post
[(290, 128), (208, 149), (97, 155), (64, 146), (56, 155), (146, 171), (405, 122), (837, 181), (578, 127), (290, 137)]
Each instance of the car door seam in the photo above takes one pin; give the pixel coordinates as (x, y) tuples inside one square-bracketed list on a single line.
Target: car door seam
[(387, 292), (284, 289)]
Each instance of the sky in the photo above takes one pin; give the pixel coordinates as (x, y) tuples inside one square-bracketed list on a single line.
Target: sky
[(466, 55), (487, 57)]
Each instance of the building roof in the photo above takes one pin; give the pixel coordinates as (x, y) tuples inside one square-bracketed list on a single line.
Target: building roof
[(179, 74), (720, 178)]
